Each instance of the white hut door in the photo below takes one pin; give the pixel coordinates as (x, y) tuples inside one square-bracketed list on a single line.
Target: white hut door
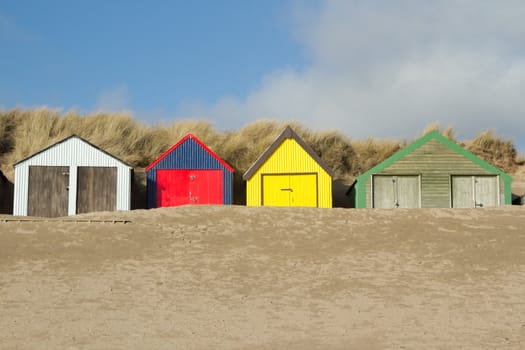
[(383, 192), (462, 192), (474, 191), (486, 189), (396, 191)]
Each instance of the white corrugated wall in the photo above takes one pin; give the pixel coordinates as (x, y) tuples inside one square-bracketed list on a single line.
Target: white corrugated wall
[(72, 152)]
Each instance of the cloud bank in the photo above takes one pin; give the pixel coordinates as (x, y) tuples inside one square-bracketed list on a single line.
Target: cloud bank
[(382, 68)]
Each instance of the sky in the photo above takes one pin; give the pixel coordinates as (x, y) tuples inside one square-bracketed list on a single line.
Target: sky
[(366, 68)]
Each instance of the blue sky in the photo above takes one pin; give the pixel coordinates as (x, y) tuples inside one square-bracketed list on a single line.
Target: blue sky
[(367, 68), (148, 55)]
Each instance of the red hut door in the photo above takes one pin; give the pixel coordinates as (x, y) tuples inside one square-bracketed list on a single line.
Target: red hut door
[(179, 187)]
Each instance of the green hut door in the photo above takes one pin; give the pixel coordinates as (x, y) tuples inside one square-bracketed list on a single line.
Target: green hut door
[(474, 191), (396, 191)]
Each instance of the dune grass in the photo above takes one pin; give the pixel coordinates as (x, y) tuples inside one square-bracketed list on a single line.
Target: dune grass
[(26, 131)]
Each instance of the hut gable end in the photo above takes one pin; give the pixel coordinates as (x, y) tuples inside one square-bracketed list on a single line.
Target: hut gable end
[(189, 152), (287, 134), (434, 138), (72, 150), (189, 172), (289, 173), (435, 161), (70, 177)]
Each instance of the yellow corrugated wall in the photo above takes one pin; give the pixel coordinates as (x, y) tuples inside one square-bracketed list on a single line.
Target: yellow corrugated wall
[(290, 158)]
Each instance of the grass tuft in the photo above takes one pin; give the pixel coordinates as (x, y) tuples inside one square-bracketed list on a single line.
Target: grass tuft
[(26, 131)]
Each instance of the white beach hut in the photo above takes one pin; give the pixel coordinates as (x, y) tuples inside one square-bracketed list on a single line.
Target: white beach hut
[(71, 177)]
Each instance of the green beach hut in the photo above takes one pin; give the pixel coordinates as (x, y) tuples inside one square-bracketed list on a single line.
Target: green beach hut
[(431, 172)]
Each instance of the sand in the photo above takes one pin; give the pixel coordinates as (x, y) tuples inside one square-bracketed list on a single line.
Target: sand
[(211, 277)]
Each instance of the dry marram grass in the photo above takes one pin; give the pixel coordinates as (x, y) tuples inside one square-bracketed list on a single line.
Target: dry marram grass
[(26, 131)]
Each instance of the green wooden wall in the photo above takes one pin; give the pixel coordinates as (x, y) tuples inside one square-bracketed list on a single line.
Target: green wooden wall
[(435, 163), (435, 159)]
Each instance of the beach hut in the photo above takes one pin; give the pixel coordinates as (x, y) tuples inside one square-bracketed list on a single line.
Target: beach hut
[(71, 177), (6, 195), (289, 173), (432, 172), (189, 173), (3, 183)]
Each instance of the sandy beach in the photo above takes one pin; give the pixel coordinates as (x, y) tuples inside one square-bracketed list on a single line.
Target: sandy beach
[(213, 277)]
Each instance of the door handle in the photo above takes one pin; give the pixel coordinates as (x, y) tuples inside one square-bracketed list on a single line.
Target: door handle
[(287, 189)]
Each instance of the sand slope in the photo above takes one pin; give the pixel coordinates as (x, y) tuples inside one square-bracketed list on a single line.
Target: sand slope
[(266, 278)]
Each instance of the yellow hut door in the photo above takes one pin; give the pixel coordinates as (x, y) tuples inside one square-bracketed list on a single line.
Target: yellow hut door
[(289, 190)]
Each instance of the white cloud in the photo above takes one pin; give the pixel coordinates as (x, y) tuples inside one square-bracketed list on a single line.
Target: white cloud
[(383, 68), (115, 99)]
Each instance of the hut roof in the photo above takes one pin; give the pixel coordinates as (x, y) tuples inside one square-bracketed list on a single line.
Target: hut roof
[(66, 139), (288, 133), (433, 135), (180, 142)]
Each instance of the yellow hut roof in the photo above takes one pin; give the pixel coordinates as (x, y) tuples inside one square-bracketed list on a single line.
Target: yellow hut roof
[(288, 133)]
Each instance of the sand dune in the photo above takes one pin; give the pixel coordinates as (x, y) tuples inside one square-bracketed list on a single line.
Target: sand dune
[(216, 277)]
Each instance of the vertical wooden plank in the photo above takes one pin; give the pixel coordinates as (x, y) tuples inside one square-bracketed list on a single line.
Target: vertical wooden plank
[(408, 193), (206, 187), (48, 191), (462, 192), (383, 187), (96, 189), (276, 190), (172, 187), (304, 190), (486, 191)]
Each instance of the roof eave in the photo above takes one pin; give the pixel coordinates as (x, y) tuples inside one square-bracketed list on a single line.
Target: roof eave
[(286, 134), (180, 142), (433, 135), (64, 140)]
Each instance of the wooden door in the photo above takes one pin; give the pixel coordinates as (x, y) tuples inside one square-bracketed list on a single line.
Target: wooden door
[(205, 187), (295, 190), (462, 192), (172, 188), (96, 189), (48, 188), (394, 191), (383, 192), (304, 190), (486, 188), (276, 190), (408, 195), (474, 191), (189, 186)]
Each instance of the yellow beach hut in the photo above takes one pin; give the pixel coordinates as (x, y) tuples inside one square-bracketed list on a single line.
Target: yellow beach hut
[(289, 174)]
